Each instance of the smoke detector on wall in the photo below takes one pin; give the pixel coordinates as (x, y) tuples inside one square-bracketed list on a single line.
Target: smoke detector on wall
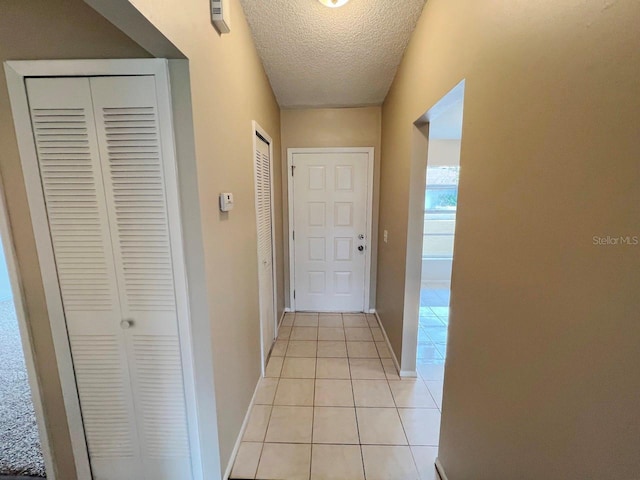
[(333, 3), (220, 13)]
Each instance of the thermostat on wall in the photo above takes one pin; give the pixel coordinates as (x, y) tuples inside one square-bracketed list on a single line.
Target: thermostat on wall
[(226, 202)]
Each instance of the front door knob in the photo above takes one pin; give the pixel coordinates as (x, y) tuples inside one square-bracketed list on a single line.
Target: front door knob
[(361, 248)]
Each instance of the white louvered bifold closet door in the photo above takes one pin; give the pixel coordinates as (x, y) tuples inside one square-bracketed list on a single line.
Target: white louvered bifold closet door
[(100, 155), (129, 139), (67, 148), (265, 244)]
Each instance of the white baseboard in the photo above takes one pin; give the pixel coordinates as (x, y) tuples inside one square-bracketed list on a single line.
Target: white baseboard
[(291, 310), (236, 447), (284, 312), (386, 339), (402, 373), (440, 470)]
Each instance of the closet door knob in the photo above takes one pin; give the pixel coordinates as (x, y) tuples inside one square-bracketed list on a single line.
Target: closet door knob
[(125, 324)]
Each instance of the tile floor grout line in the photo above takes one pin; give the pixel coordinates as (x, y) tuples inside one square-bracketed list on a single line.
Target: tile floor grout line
[(404, 430), (355, 411), (431, 395), (400, 418), (415, 464), (313, 401), (259, 458), (264, 439)]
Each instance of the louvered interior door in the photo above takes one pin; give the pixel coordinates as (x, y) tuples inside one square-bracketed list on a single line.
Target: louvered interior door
[(67, 150), (130, 144), (100, 154), (265, 245)]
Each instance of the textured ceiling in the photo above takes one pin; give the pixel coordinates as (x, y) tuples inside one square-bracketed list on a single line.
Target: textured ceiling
[(330, 57)]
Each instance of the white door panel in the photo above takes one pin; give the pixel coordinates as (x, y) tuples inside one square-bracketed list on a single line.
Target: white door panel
[(330, 194)]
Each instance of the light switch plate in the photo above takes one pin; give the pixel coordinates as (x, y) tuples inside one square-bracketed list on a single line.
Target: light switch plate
[(226, 202)]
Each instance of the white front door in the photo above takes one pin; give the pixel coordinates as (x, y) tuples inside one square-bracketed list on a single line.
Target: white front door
[(330, 228), (265, 245)]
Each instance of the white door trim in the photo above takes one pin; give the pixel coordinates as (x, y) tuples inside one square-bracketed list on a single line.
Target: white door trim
[(16, 72), (415, 228), (292, 254), (256, 130), (25, 335)]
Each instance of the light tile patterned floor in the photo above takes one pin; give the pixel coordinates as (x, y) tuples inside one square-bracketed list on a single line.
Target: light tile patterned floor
[(432, 333), (332, 407)]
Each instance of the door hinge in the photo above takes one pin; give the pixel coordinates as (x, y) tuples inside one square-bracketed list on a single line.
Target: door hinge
[(294, 234), (293, 168), (294, 294)]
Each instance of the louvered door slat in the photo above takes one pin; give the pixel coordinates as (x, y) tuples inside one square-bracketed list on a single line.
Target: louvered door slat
[(133, 171), (104, 407), (264, 213), (137, 184), (158, 365), (71, 177)]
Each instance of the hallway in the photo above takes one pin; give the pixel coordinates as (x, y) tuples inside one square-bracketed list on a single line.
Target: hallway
[(332, 407)]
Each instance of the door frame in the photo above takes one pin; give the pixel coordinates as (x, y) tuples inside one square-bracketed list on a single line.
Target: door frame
[(256, 130), (26, 336), (16, 73), (369, 215), (415, 228)]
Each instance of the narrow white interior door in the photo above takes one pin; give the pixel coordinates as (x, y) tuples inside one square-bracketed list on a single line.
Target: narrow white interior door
[(130, 144), (265, 245), (330, 194)]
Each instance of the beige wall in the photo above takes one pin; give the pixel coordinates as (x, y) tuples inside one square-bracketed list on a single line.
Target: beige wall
[(332, 127), (229, 89), (46, 29), (541, 378)]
